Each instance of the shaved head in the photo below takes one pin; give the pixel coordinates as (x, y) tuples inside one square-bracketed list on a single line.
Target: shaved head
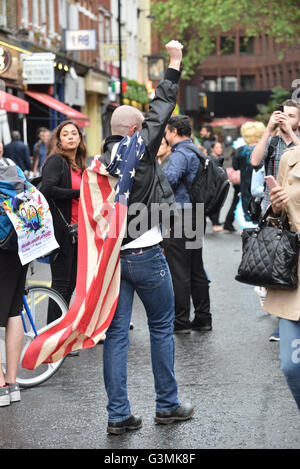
[(124, 119)]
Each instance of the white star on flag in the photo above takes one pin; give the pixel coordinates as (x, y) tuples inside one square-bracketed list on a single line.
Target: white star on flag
[(132, 173), (119, 157), (127, 194)]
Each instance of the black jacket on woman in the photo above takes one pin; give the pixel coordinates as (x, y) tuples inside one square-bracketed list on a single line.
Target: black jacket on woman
[(57, 188)]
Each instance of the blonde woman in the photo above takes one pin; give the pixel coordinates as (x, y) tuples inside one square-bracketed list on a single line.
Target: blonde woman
[(251, 133)]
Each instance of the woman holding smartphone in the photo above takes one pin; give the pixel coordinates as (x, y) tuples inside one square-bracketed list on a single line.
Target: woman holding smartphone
[(285, 304)]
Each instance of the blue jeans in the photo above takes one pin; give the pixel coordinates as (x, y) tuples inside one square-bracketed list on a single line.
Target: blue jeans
[(289, 332), (148, 274)]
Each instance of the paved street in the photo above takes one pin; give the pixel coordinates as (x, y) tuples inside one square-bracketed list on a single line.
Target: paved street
[(230, 374)]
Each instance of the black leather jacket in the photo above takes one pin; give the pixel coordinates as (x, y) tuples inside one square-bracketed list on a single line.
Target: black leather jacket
[(150, 183)]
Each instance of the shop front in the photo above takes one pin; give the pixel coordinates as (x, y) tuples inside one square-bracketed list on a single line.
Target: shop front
[(13, 107)]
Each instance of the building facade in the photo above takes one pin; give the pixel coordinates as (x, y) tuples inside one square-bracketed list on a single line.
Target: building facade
[(248, 64), (237, 77), (59, 61)]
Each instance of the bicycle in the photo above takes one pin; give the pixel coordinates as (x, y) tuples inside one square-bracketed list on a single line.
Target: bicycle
[(34, 318)]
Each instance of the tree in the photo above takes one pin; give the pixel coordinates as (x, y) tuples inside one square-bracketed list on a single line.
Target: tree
[(196, 23)]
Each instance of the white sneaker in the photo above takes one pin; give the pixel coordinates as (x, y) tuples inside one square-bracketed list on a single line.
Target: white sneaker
[(261, 292), (4, 396)]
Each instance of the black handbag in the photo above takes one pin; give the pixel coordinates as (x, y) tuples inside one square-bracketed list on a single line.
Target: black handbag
[(270, 255), (72, 230)]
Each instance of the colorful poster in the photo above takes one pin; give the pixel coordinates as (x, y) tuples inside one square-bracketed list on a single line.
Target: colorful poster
[(31, 217)]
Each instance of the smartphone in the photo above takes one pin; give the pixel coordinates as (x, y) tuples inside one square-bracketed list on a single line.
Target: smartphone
[(279, 108), (271, 181)]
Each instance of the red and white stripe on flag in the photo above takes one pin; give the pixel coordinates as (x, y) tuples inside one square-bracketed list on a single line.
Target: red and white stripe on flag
[(101, 229)]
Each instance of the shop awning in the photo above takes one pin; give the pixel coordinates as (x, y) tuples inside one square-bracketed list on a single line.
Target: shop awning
[(78, 117), (231, 121), (10, 103)]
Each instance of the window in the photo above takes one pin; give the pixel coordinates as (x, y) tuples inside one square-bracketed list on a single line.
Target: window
[(35, 14), (247, 82), (209, 84), (227, 45), (3, 13), (62, 15), (246, 45), (229, 83)]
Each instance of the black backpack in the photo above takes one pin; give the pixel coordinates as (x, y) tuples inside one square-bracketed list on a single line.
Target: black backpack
[(210, 185)]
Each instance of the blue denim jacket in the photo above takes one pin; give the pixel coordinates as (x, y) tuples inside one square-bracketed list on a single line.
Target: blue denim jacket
[(184, 162)]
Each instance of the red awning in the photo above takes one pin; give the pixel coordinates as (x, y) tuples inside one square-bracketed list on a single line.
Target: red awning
[(234, 121), (10, 103), (78, 117)]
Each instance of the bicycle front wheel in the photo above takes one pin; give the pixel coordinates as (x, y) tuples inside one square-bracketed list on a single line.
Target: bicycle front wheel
[(38, 298)]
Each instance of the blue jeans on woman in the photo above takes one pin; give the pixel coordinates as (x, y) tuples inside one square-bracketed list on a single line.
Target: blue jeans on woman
[(289, 332), (146, 272)]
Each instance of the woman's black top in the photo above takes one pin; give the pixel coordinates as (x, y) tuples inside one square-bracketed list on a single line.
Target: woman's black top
[(57, 187)]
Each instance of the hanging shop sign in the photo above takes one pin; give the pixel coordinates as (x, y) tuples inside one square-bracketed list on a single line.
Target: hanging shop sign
[(74, 91), (110, 52), (38, 68), (5, 59), (82, 39)]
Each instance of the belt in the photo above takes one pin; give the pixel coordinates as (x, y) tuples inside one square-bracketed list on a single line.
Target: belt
[(136, 251)]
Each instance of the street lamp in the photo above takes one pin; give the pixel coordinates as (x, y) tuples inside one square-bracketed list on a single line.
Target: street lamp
[(120, 51)]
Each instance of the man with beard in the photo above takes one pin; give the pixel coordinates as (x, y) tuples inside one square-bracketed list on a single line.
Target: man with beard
[(287, 137)]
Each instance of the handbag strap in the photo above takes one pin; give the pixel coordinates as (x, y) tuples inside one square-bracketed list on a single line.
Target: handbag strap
[(60, 213), (283, 220)]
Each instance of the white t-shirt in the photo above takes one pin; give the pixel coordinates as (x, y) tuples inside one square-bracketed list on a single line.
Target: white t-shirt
[(150, 238)]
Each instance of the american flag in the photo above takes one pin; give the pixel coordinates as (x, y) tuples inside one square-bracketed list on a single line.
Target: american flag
[(101, 228)]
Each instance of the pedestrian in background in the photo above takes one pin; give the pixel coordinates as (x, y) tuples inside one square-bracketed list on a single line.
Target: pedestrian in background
[(18, 151), (251, 133), (61, 180), (216, 151), (164, 153), (186, 265), (287, 136), (207, 137), (285, 303), (40, 150), (286, 126), (12, 284)]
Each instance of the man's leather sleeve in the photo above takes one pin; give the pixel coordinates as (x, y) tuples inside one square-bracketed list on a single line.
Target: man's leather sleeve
[(160, 111)]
